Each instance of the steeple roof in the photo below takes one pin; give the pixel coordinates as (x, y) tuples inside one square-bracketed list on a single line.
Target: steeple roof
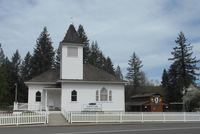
[(71, 36)]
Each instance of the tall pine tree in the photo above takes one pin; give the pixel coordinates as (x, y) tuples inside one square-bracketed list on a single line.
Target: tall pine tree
[(85, 41), (108, 66), (118, 72), (26, 67), (57, 60), (25, 75), (2, 56), (185, 63), (4, 79), (96, 56), (5, 83), (134, 74), (43, 55), (15, 74)]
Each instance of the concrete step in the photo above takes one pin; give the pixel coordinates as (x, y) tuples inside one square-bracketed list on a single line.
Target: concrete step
[(57, 119)]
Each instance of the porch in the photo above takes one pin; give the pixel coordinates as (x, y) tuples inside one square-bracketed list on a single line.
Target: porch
[(49, 99), (52, 99)]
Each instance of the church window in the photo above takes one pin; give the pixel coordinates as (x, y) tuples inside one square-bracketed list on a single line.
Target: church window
[(104, 94), (74, 96), (72, 51), (38, 96)]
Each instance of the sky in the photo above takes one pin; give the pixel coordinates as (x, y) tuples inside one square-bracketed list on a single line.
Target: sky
[(121, 27)]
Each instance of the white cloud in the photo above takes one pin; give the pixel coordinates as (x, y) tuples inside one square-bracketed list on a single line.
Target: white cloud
[(121, 27)]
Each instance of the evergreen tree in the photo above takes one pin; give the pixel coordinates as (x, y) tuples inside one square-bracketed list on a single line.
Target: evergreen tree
[(134, 73), (57, 60), (185, 63), (15, 75), (43, 55), (4, 79), (165, 79), (173, 89), (25, 75), (15, 63), (26, 67), (108, 66), (4, 83), (118, 72), (2, 56), (96, 57), (85, 41)]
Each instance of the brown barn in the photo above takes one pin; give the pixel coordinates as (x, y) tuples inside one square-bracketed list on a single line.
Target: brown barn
[(152, 102)]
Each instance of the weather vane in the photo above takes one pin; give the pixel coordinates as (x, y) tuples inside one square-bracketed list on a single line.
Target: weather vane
[(72, 20)]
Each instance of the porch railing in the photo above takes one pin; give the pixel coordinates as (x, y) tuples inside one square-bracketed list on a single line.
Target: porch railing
[(27, 106)]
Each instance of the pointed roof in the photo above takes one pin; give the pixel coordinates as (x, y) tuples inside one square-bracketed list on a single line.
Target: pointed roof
[(71, 36)]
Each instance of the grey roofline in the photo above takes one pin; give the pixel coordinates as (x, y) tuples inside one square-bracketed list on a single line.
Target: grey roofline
[(74, 81), (33, 83), (81, 81)]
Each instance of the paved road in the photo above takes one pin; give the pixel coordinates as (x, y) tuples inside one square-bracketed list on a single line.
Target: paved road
[(146, 128)]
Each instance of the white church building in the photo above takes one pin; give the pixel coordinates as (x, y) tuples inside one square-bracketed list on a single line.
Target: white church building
[(76, 86)]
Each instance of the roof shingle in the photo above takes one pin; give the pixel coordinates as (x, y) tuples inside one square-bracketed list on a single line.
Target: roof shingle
[(90, 73)]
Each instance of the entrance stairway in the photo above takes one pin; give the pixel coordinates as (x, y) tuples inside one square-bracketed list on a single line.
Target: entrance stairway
[(57, 119)]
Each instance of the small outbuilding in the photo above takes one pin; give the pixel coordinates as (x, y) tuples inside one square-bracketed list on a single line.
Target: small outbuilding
[(151, 102)]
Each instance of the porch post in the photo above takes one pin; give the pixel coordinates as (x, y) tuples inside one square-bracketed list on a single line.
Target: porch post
[(46, 101)]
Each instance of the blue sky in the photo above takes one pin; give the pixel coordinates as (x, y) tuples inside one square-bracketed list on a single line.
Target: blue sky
[(121, 27)]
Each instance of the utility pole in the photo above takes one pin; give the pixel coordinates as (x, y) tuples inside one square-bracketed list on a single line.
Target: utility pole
[(15, 92)]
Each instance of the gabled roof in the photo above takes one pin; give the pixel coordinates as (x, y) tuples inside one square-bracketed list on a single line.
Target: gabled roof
[(50, 76), (72, 36), (90, 73)]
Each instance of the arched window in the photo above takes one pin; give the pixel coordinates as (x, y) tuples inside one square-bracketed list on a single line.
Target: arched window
[(74, 96), (38, 96), (97, 95), (104, 94), (110, 95)]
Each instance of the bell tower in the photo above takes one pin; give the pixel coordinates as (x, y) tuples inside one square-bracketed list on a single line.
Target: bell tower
[(71, 49)]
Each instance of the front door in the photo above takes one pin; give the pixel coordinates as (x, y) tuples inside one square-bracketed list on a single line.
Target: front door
[(156, 108), (51, 101)]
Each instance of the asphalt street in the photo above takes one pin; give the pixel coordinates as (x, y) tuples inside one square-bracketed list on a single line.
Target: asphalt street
[(140, 128)]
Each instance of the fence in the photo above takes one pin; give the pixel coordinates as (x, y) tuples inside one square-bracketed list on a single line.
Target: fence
[(24, 118), (132, 117)]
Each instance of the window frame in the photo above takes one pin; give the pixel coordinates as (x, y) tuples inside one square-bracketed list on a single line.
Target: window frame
[(103, 94), (38, 96), (74, 96)]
